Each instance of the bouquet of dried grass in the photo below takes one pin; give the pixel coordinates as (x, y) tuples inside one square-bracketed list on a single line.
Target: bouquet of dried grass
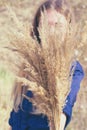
[(44, 67)]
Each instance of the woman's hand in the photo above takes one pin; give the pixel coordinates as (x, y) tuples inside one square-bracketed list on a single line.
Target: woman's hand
[(62, 121), (10, 128)]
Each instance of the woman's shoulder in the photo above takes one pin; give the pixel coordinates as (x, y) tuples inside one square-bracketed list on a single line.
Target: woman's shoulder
[(26, 103), (77, 70), (29, 93), (76, 65)]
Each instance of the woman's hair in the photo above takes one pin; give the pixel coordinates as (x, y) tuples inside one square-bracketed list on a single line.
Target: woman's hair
[(61, 6)]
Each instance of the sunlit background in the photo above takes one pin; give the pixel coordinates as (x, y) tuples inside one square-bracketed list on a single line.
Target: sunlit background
[(25, 10)]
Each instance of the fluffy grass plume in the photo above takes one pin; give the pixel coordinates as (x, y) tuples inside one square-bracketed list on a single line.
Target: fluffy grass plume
[(44, 68)]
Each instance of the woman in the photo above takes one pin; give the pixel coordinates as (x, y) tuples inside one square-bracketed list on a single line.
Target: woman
[(22, 119)]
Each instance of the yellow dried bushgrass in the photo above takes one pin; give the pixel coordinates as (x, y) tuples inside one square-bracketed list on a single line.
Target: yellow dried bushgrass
[(44, 68)]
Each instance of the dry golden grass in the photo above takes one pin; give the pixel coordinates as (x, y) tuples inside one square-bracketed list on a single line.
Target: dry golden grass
[(46, 66), (23, 14)]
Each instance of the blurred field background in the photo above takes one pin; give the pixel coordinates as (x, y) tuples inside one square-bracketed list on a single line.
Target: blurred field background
[(25, 10)]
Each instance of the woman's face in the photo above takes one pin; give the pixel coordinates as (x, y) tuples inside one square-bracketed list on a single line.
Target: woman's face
[(54, 19)]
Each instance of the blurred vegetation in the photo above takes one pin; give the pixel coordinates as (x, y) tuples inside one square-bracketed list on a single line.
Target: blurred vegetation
[(25, 10), (6, 83)]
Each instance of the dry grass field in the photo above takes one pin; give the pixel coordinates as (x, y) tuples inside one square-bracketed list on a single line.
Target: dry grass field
[(25, 10)]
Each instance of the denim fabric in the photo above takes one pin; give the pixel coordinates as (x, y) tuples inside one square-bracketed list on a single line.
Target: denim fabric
[(22, 120), (74, 89)]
